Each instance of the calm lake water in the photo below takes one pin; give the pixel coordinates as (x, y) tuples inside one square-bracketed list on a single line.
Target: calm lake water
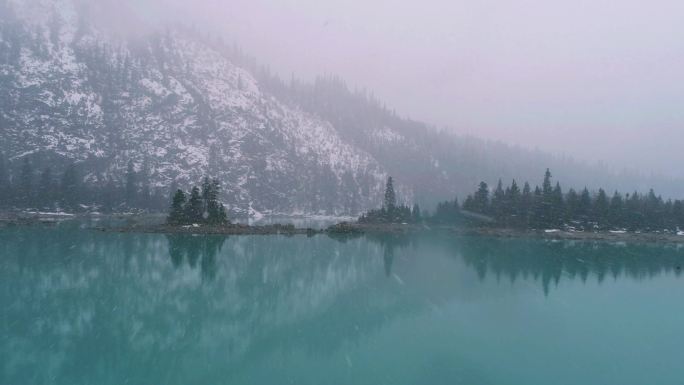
[(84, 307)]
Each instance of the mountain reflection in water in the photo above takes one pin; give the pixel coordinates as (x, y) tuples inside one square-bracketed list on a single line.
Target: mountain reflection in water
[(87, 307)]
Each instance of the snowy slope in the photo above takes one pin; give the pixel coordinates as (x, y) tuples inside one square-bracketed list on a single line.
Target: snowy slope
[(171, 104)]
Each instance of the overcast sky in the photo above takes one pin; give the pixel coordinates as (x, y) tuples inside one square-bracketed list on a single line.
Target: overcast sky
[(595, 79)]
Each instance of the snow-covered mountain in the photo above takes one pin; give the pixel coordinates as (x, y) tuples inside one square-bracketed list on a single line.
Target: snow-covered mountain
[(172, 105), (180, 106)]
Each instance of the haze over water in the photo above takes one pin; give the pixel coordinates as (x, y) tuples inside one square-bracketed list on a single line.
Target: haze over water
[(83, 307)]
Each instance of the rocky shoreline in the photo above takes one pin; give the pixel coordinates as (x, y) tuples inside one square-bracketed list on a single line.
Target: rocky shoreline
[(586, 236), (351, 229), (230, 229), (583, 236)]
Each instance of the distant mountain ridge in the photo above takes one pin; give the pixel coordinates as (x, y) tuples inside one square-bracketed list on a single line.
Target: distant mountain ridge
[(180, 107)]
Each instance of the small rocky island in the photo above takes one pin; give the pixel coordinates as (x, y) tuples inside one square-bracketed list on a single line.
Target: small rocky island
[(201, 212)]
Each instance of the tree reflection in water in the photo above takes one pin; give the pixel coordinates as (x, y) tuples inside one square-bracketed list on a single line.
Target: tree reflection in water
[(97, 297), (551, 261), (193, 248)]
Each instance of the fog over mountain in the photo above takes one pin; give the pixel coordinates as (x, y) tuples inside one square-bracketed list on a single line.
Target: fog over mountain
[(141, 98), (597, 80)]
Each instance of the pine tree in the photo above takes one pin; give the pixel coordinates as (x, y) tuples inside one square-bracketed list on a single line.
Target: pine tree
[(110, 195), (25, 197), (557, 206), (390, 197), (206, 193), (634, 216), (210, 193), (415, 214), (4, 182), (222, 217), (498, 201), (469, 203), (145, 191), (669, 220), (482, 198), (538, 215), (45, 194), (678, 214), (70, 187), (601, 206), (616, 211), (584, 208), (547, 188), (572, 203), (653, 211), (526, 205), (455, 210), (193, 209), (511, 209), (177, 213), (131, 185), (547, 215)]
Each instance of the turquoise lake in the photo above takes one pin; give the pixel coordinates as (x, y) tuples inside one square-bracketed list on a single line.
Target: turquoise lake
[(87, 307)]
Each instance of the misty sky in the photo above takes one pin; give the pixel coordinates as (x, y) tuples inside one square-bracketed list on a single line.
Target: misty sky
[(595, 79)]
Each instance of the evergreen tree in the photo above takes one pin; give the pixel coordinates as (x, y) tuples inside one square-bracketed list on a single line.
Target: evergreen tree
[(481, 199), (539, 211), (601, 206), (110, 196), (616, 211), (450, 212), (25, 197), (207, 196), (70, 188), (222, 217), (390, 197), (654, 211), (634, 216), (547, 188), (526, 205), (584, 208), (131, 185), (4, 182), (468, 204), (415, 214), (145, 191), (499, 202), (193, 209), (514, 195), (46, 189), (678, 214), (557, 206), (669, 222), (572, 203), (177, 213), (513, 208), (547, 216), (210, 193), (206, 191)]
